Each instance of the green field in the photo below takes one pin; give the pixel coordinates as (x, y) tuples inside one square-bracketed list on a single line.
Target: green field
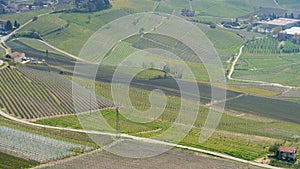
[(24, 16), (224, 8), (47, 24), (280, 68), (225, 42), (70, 31), (36, 46), (289, 4), (11, 162)]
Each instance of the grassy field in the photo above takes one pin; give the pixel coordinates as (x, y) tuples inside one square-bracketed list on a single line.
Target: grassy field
[(227, 8), (225, 42), (289, 4), (24, 16), (10, 162), (47, 24), (36, 45), (280, 68)]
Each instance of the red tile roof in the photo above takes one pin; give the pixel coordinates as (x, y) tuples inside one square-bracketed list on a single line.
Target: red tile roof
[(286, 149), (16, 54)]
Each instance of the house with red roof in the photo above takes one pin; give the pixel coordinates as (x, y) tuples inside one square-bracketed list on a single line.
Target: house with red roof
[(285, 152), (17, 56)]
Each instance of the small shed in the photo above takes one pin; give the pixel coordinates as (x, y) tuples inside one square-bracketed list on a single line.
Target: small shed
[(285, 152)]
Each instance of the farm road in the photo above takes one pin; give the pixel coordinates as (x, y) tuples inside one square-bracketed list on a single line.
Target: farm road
[(145, 140)]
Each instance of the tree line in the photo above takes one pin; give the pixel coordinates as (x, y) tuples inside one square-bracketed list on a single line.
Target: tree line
[(91, 5)]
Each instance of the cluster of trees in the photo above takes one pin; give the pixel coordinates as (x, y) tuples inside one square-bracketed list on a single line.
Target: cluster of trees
[(91, 5), (286, 15), (275, 16), (9, 26)]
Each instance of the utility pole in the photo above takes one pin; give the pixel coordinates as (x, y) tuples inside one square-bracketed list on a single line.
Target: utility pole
[(117, 122), (90, 103)]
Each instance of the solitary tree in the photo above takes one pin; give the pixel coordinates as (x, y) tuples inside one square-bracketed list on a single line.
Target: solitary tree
[(16, 24), (8, 26)]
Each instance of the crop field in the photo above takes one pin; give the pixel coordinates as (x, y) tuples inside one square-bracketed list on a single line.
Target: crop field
[(241, 134), (277, 109), (269, 46), (11, 162), (179, 158), (35, 147), (32, 94)]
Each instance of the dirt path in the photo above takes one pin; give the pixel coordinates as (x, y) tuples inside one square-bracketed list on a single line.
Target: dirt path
[(146, 140), (64, 52), (229, 76), (231, 71)]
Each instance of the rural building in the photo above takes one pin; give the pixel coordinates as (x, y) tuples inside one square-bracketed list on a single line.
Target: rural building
[(1, 62), (2, 25), (188, 12), (292, 31), (284, 23), (17, 56), (285, 152)]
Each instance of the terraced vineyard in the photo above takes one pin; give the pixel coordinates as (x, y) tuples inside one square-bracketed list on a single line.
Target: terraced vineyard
[(30, 94), (151, 40)]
